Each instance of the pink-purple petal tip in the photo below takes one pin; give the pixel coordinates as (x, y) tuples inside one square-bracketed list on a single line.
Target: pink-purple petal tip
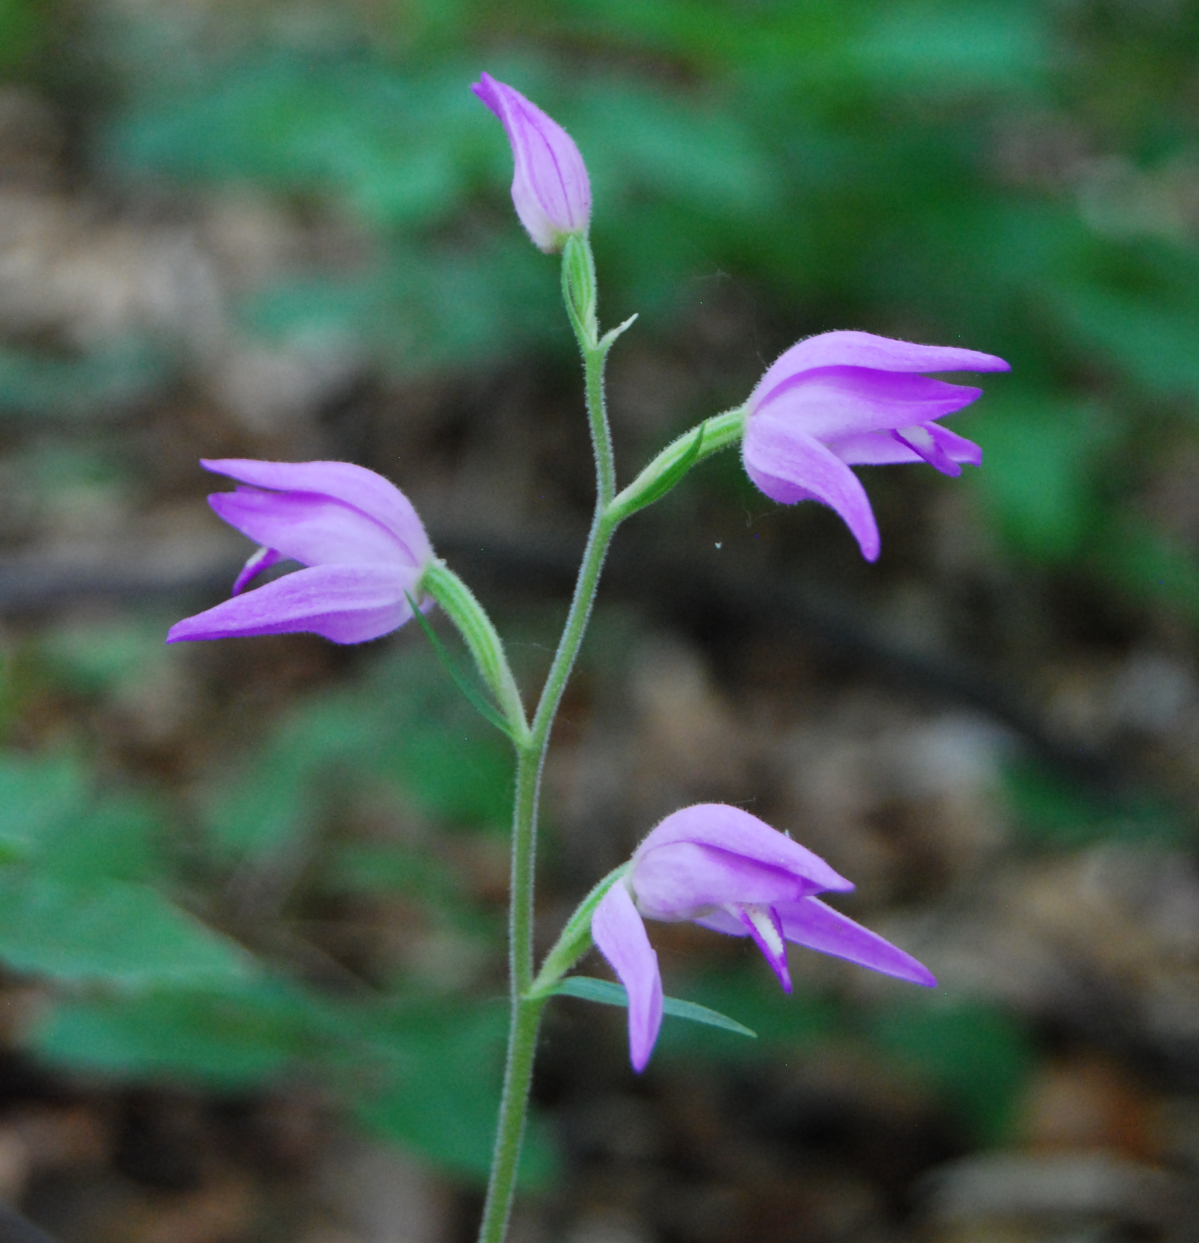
[(619, 934)]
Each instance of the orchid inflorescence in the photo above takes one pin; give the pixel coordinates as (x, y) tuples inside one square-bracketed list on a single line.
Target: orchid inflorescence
[(830, 402)]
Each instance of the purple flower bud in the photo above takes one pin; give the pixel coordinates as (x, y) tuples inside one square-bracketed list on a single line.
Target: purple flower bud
[(363, 544), (549, 186), (846, 399), (726, 870)]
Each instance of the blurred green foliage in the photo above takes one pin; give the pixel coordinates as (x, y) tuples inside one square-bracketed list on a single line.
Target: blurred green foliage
[(100, 893), (976, 1054), (1017, 177), (1053, 812), (409, 732)]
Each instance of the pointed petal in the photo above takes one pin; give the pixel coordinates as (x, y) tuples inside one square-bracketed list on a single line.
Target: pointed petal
[(832, 402), (377, 497), (344, 603), (789, 467), (864, 349), (620, 936), (550, 188), (764, 925), (810, 922), (882, 449), (921, 440), (310, 528), (683, 880), (723, 920), (956, 448), (257, 563), (735, 831), (873, 449)]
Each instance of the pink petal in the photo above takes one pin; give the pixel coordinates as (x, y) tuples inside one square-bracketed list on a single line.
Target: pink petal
[(550, 188), (344, 603), (257, 563), (832, 402), (738, 832), (882, 449), (620, 936), (920, 439), (790, 466), (683, 879), (956, 448), (864, 349), (723, 920), (810, 922), (377, 497), (309, 528)]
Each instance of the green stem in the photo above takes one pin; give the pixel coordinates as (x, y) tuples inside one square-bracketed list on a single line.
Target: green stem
[(518, 1078), (526, 1010), (525, 1013)]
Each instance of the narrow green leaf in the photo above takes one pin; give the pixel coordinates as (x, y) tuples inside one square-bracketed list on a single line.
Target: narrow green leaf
[(588, 988), (609, 339), (695, 1013), (606, 993), (486, 710)]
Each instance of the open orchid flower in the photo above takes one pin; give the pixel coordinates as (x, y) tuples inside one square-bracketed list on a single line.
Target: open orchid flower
[(846, 399), (359, 537), (726, 870), (550, 188)]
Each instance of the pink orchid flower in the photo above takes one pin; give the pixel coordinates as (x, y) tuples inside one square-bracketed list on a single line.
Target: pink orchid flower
[(846, 399), (726, 870), (359, 537), (550, 189)]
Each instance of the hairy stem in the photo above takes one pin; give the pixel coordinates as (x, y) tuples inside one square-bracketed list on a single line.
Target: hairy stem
[(525, 1014), (526, 1011)]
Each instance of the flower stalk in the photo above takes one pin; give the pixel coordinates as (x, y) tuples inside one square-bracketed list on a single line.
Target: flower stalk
[(526, 1009)]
